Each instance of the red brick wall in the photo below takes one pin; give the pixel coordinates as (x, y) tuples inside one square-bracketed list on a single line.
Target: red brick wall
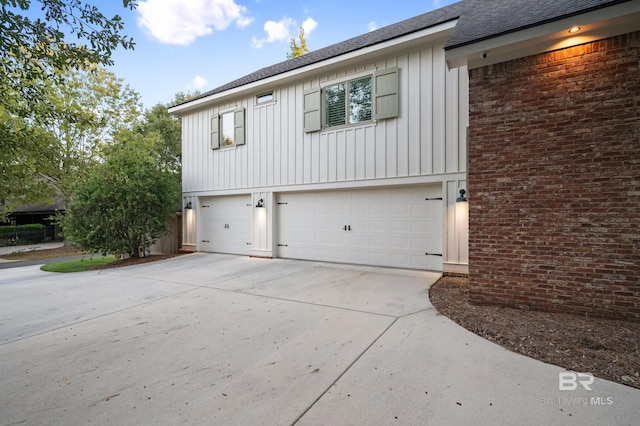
[(554, 180)]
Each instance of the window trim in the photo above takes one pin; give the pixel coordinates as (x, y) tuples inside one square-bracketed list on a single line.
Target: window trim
[(265, 102)]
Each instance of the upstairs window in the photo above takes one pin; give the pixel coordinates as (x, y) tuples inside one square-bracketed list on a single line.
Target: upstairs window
[(373, 97), (228, 129), (264, 98), (348, 102)]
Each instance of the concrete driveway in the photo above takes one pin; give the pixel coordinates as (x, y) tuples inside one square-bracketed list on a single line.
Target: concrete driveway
[(217, 339)]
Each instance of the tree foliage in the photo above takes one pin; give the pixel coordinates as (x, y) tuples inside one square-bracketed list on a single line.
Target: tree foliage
[(125, 203), (37, 53), (32, 49), (168, 128), (298, 50), (58, 152)]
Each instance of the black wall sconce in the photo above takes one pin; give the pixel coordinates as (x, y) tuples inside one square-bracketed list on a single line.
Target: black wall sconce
[(260, 203), (188, 206), (462, 198)]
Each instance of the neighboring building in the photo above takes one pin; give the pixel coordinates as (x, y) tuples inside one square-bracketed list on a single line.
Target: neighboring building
[(43, 214), (358, 152)]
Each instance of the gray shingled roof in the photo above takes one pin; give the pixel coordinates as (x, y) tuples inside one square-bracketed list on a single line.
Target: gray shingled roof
[(478, 20), (485, 19)]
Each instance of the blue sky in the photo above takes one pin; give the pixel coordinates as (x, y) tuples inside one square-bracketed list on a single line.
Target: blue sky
[(184, 45)]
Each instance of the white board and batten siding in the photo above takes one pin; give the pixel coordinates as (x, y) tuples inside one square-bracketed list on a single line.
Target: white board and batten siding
[(427, 138)]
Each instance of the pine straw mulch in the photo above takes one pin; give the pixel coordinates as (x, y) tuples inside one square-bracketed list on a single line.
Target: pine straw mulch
[(609, 349)]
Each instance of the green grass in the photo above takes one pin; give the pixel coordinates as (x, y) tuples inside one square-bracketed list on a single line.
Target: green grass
[(79, 265)]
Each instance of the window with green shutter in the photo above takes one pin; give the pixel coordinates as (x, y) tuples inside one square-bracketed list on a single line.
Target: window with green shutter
[(228, 129), (351, 102)]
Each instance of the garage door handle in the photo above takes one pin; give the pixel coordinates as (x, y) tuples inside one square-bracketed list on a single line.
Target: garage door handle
[(283, 245), (434, 254), (206, 241), (437, 198)]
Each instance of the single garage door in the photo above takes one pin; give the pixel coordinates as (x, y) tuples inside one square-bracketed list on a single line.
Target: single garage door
[(225, 224), (395, 226)]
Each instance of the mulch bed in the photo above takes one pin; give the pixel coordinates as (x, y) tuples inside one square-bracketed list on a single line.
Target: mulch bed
[(608, 349)]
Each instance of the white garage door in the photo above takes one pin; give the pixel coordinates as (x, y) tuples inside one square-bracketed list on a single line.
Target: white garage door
[(225, 224), (399, 226)]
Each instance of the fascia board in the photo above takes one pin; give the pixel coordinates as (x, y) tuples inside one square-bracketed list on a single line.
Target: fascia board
[(419, 37), (596, 25)]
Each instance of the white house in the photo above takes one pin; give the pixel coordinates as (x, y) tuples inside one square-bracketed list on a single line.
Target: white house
[(353, 153)]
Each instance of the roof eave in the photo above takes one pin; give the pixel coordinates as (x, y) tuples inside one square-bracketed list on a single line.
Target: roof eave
[(435, 32), (595, 25)]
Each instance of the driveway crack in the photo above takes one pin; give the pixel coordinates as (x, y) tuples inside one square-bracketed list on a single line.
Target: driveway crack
[(344, 372)]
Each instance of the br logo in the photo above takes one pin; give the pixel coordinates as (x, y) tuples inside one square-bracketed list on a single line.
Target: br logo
[(568, 380)]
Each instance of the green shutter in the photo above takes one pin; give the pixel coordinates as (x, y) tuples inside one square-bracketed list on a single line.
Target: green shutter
[(386, 93), (311, 107), (238, 126), (215, 132)]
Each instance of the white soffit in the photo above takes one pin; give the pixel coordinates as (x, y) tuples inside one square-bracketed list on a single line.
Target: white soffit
[(597, 25), (417, 38)]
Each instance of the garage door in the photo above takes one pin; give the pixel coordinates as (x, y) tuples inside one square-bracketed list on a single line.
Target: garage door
[(399, 226), (225, 224)]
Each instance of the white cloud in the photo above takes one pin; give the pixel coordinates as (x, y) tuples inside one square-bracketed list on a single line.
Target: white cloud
[(197, 83), (275, 31), (309, 25), (182, 22), (372, 26), (278, 31)]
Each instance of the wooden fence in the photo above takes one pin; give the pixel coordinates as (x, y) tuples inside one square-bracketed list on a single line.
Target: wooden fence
[(172, 241)]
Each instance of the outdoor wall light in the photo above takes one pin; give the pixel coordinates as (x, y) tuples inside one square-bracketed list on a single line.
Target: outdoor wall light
[(462, 198), (260, 203), (574, 30), (188, 206)]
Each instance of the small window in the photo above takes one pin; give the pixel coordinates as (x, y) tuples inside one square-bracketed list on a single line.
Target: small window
[(348, 103), (227, 129), (264, 98)]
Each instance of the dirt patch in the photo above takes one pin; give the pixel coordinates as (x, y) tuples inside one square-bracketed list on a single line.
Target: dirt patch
[(44, 254), (609, 349), (62, 252)]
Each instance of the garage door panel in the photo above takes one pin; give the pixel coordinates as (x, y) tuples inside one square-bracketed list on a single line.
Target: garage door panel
[(389, 226), (226, 224)]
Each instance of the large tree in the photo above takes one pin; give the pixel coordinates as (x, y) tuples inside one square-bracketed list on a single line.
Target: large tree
[(86, 108), (169, 129), (125, 203), (42, 40)]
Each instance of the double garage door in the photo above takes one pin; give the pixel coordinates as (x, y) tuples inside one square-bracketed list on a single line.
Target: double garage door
[(398, 227)]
